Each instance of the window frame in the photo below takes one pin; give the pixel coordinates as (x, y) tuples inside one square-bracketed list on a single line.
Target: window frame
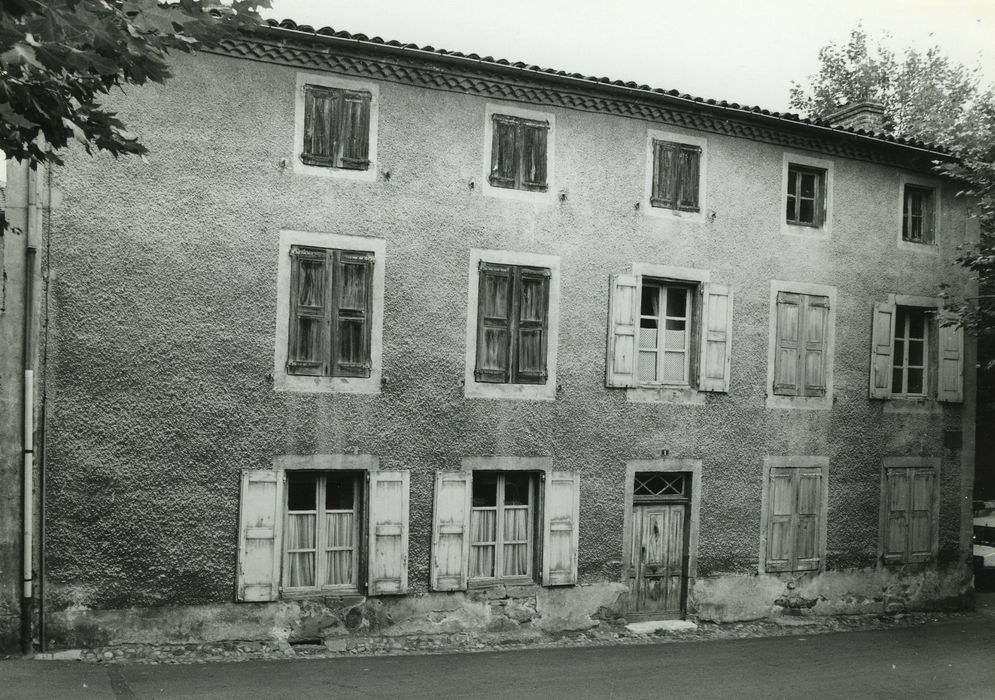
[(812, 463), (781, 401), (692, 332), (321, 80), (926, 184), (285, 381), (928, 352), (533, 519), (931, 464), (493, 390), (545, 195), (822, 229)]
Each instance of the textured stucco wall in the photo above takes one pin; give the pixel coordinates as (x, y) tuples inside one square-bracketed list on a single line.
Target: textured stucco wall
[(163, 316)]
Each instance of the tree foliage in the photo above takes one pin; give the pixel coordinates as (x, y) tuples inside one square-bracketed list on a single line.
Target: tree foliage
[(58, 58)]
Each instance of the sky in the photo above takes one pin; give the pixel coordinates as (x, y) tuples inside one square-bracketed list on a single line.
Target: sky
[(746, 51)]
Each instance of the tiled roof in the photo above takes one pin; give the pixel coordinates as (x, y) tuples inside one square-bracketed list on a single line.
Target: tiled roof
[(746, 111)]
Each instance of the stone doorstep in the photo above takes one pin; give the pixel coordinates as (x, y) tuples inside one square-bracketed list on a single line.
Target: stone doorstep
[(651, 626)]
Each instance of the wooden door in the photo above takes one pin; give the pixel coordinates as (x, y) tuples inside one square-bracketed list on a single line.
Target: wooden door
[(658, 571)]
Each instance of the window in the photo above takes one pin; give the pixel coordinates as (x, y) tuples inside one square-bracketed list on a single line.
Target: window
[(806, 196), (330, 312), (802, 332), (511, 332), (795, 505), (913, 355), (918, 219), (504, 525), (676, 169), (313, 529), (908, 517), (669, 332), (518, 153)]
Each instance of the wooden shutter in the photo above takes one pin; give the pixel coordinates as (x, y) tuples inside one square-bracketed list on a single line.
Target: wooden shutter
[(921, 523), (787, 373), (322, 109), (623, 331), (352, 314), (309, 326), (896, 535), (504, 152), (388, 533), (780, 526), (560, 531), (259, 536), (664, 175), (533, 167), (929, 216), (882, 348), (355, 130), (716, 338), (813, 359), (794, 519), (807, 519), (451, 534), (495, 304), (950, 385), (688, 171), (531, 327)]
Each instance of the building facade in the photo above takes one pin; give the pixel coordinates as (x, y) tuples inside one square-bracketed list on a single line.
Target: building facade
[(382, 340)]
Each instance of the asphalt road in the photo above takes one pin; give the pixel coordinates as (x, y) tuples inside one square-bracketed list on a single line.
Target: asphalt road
[(953, 659)]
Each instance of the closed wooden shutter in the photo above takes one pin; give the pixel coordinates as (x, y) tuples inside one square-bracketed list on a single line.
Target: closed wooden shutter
[(813, 360), (794, 519), (504, 152), (807, 527), (623, 331), (665, 178), (534, 135), (388, 533), (688, 176), (951, 374), (495, 304), (787, 373), (780, 526), (322, 107), (451, 534), (896, 537), (910, 521), (716, 338), (259, 535), (929, 216), (922, 527), (355, 130), (560, 532), (531, 329), (310, 322), (882, 349), (351, 314)]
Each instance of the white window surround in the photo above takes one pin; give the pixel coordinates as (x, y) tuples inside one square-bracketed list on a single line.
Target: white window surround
[(665, 465), (332, 81), (327, 462), (665, 394), (797, 462), (507, 463), (804, 402), (645, 206), (826, 230), (547, 197), (486, 390), (928, 183), (352, 385)]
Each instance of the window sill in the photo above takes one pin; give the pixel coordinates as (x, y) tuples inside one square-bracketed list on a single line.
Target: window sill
[(823, 403), (326, 385), (819, 233), (663, 394), (650, 209), (899, 404), (511, 392), (517, 581), (311, 593), (928, 248)]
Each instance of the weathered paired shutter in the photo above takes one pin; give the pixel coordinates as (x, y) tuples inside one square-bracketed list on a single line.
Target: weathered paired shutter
[(716, 338), (801, 338), (787, 373), (309, 327), (665, 161), (355, 134), (882, 349), (794, 519), (897, 494), (531, 328), (451, 531), (623, 331), (909, 519), (950, 385), (494, 310), (928, 217), (813, 361), (560, 529), (321, 125), (351, 314), (387, 564), (534, 135), (504, 152), (689, 160), (259, 533), (921, 511)]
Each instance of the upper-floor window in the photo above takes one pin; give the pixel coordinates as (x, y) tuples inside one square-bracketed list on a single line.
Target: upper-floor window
[(908, 371), (336, 127), (806, 196), (676, 174), (518, 153), (917, 214), (801, 349)]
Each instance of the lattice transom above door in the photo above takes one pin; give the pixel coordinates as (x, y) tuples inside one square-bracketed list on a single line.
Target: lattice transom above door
[(659, 485)]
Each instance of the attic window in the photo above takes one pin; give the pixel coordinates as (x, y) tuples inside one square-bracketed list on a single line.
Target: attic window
[(518, 153), (336, 128)]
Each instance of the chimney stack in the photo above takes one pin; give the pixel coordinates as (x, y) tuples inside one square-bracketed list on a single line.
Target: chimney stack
[(865, 114)]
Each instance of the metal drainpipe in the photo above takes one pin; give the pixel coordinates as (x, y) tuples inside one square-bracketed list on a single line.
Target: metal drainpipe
[(30, 261)]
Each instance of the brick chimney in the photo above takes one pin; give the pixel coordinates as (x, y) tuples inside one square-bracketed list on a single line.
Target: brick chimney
[(865, 114)]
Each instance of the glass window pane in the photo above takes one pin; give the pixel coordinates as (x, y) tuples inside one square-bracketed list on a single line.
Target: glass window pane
[(677, 302), (516, 560), (647, 366), (648, 337), (915, 381), (484, 489), (792, 183), (808, 185), (917, 323), (302, 491), (806, 211), (790, 211), (650, 301), (896, 381), (673, 367), (916, 353), (674, 340), (339, 491), (516, 489)]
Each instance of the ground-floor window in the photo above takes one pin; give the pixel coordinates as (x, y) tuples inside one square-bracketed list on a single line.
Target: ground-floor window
[(502, 528)]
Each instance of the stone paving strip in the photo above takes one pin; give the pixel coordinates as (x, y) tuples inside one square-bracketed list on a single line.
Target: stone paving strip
[(615, 633)]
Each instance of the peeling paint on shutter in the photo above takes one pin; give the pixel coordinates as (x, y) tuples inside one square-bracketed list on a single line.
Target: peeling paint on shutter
[(813, 351), (560, 531), (882, 347), (451, 534), (494, 311), (534, 137), (307, 352), (504, 152), (807, 519), (259, 536), (664, 175), (688, 177), (352, 313), (787, 379), (355, 130), (716, 338), (321, 125), (531, 328), (388, 533), (780, 526), (623, 331), (951, 374)]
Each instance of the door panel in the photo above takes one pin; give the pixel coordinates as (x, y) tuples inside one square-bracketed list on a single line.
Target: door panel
[(656, 582)]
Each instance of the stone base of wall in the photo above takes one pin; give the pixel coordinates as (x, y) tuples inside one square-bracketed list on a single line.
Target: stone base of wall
[(519, 612)]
